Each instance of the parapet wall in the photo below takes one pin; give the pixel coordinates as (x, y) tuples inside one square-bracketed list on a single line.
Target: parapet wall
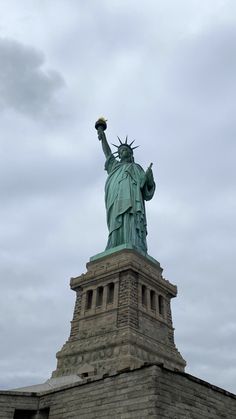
[(148, 392)]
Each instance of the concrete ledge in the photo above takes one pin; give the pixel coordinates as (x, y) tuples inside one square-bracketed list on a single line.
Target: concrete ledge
[(62, 383)]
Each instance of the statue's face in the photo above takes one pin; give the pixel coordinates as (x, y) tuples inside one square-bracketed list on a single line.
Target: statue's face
[(125, 154)]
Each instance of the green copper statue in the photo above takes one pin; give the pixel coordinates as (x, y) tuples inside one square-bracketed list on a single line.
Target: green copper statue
[(127, 187)]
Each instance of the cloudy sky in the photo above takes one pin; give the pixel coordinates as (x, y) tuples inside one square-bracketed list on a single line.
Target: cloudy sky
[(163, 72)]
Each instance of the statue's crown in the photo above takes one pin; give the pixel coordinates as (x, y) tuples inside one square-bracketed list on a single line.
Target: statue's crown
[(124, 144)]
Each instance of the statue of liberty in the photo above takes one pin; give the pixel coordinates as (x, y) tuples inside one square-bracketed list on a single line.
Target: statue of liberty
[(126, 189)]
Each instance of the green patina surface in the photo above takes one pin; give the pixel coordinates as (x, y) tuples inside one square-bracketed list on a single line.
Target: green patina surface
[(119, 248), (127, 188)]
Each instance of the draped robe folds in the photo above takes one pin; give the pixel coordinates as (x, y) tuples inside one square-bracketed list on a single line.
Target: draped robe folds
[(125, 192)]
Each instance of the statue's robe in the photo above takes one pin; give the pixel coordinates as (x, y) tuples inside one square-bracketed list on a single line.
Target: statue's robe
[(125, 192)]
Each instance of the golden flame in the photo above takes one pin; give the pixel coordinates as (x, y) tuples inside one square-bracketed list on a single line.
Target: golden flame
[(102, 119)]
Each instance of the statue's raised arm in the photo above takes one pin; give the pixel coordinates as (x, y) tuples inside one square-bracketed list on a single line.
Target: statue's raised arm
[(127, 188), (101, 126)]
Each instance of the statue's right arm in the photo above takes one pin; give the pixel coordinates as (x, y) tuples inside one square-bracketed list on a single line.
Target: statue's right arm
[(105, 145)]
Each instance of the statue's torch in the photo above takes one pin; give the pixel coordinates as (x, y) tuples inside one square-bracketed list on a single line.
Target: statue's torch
[(101, 126)]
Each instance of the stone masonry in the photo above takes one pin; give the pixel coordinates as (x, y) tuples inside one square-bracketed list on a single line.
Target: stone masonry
[(122, 317), (151, 391), (120, 361)]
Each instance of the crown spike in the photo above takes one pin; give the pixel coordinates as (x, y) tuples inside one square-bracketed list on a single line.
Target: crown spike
[(133, 148), (131, 143), (117, 146), (126, 139), (119, 140)]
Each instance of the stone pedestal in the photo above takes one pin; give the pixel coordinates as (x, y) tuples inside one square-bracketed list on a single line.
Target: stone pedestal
[(122, 317)]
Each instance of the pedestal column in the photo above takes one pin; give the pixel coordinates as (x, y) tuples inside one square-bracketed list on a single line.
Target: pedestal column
[(133, 328)]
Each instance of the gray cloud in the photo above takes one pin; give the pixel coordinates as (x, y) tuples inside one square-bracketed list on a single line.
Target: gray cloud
[(25, 85), (204, 73)]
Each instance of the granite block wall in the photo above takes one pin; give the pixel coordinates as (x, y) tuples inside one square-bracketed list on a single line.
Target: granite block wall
[(148, 392), (10, 401)]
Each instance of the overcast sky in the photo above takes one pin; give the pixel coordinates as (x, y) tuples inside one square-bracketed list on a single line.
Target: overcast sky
[(163, 72)]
